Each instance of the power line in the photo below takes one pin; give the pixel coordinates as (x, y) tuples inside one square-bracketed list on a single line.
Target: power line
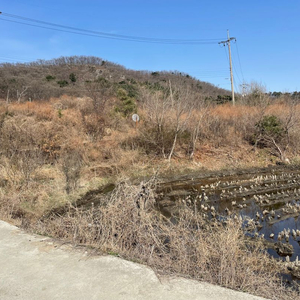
[(207, 70), (240, 82), (15, 59), (227, 58), (237, 50), (202, 77), (114, 38), (80, 31), (233, 66), (235, 71), (235, 84), (99, 34)]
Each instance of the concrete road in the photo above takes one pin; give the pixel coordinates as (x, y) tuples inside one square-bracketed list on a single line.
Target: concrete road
[(35, 268)]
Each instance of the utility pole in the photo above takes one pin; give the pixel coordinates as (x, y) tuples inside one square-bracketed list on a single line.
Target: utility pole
[(230, 63), (244, 86)]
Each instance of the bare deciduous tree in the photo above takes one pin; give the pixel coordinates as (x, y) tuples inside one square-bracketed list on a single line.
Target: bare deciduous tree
[(157, 106), (99, 91), (197, 119), (182, 105), (21, 93), (71, 162)]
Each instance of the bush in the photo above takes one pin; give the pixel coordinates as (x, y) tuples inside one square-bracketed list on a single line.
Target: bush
[(127, 105), (269, 130), (62, 83), (50, 77), (271, 126), (130, 88), (72, 78)]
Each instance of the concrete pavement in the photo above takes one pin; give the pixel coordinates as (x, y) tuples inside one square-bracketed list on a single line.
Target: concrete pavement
[(35, 268)]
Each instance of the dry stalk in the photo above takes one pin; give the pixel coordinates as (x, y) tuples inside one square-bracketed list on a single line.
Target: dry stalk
[(189, 247)]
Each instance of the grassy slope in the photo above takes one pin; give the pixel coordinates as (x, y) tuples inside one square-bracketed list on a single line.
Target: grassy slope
[(47, 149), (53, 152)]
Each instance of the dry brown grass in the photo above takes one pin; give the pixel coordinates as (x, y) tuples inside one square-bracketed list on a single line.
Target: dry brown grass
[(42, 111), (227, 111), (223, 128), (188, 247)]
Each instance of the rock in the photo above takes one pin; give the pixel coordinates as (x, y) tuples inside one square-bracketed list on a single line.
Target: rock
[(284, 249)]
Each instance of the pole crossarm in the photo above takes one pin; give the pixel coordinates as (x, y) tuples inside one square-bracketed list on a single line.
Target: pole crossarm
[(227, 41)]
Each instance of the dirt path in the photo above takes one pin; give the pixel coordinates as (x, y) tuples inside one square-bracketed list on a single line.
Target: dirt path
[(34, 267)]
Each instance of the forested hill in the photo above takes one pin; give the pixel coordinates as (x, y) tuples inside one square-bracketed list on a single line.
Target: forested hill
[(43, 79)]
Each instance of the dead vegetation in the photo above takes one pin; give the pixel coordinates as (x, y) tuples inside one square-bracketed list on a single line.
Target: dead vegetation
[(127, 224), (80, 76), (52, 153), (49, 146)]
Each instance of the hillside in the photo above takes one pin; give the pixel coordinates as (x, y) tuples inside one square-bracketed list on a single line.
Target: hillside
[(42, 79), (67, 138)]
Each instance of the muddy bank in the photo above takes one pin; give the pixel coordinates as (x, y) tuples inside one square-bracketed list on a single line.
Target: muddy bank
[(93, 197)]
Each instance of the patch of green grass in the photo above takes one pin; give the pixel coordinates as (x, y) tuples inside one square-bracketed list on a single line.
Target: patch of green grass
[(113, 253)]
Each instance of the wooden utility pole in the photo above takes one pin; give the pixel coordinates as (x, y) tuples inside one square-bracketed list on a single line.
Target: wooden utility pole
[(230, 63)]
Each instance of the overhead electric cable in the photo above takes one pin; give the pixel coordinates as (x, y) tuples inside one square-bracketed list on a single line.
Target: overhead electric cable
[(75, 30), (233, 65), (236, 73), (237, 50), (14, 59)]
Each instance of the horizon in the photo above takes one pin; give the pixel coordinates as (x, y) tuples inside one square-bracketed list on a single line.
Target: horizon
[(259, 54)]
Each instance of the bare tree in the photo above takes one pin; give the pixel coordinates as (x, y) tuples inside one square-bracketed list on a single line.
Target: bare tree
[(182, 106), (255, 93), (71, 162), (197, 119), (157, 105), (94, 120), (99, 91), (21, 93)]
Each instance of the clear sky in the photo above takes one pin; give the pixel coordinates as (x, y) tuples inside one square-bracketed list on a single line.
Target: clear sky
[(267, 49)]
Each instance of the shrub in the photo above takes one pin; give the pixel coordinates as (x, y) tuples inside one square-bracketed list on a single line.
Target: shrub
[(62, 83), (155, 74), (127, 105), (269, 130), (72, 78), (50, 77), (271, 126), (130, 88)]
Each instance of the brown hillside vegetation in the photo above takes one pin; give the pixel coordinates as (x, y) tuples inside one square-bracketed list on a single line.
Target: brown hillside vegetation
[(59, 149), (77, 75)]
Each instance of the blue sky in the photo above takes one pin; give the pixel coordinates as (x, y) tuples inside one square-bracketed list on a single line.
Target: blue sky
[(267, 32)]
